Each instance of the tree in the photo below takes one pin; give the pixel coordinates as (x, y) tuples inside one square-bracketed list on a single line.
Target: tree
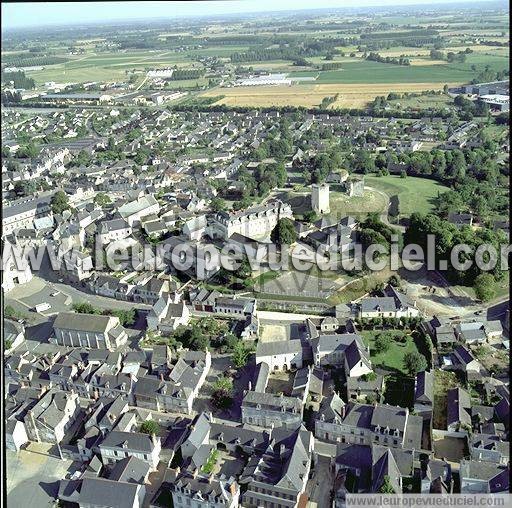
[(84, 308), (284, 232), (218, 204), (102, 199), (222, 394), (25, 188), (241, 355), (383, 342), (485, 287), (59, 202), (414, 362), (149, 427), (386, 487)]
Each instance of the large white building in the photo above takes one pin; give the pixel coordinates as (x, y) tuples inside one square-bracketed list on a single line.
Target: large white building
[(320, 198), (89, 331), (268, 79), (256, 222), (15, 271)]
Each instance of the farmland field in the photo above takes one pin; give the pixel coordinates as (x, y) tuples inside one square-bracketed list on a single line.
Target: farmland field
[(310, 95), (415, 194)]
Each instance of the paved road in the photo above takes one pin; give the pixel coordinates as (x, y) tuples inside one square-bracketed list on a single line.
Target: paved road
[(384, 216)]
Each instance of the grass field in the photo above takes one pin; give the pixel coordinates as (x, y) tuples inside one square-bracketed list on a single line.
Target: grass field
[(111, 66), (393, 358), (342, 205), (415, 194)]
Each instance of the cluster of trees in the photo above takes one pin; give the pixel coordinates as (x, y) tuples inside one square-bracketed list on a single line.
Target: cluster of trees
[(322, 164), (327, 101), (446, 237), (32, 61), (126, 317), (374, 231), (293, 52), (181, 74), (331, 66), (375, 57), (488, 75), (19, 80), (471, 108)]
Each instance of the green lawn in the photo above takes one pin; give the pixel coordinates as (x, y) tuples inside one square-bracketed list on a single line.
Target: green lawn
[(393, 358), (415, 194)]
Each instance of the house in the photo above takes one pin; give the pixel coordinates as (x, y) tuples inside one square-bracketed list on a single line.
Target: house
[(14, 335), (133, 211), (89, 331), (478, 332), (114, 230), (366, 388), (235, 306), (15, 434), (378, 424), (279, 475), (256, 222), (466, 361), (119, 445), (267, 410), (489, 448), (16, 268), (191, 489), (393, 304), (51, 417), (280, 355), (342, 349), (458, 409), (460, 219), (436, 477), (167, 315), (483, 477), (123, 487), (424, 392), (195, 228), (176, 391)]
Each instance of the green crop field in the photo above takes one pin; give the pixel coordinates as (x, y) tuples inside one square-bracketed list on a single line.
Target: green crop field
[(415, 194), (365, 71)]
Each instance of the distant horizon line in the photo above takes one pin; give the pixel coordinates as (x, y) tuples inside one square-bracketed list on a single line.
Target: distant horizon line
[(152, 19)]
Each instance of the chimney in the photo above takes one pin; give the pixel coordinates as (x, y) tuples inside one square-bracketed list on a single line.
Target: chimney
[(210, 478), (232, 489), (194, 473), (154, 439), (250, 386)]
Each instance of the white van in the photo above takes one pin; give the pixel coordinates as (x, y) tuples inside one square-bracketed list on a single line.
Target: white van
[(41, 307)]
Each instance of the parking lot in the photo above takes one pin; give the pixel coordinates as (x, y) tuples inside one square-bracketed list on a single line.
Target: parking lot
[(33, 476)]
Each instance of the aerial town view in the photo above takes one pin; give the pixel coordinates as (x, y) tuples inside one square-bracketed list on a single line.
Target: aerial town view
[(255, 254)]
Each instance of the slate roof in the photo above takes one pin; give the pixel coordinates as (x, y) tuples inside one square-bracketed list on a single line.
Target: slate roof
[(424, 389), (136, 441), (459, 404), (271, 401), (82, 322), (103, 492)]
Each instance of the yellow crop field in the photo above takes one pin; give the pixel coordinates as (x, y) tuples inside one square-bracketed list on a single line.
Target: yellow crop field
[(350, 95)]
